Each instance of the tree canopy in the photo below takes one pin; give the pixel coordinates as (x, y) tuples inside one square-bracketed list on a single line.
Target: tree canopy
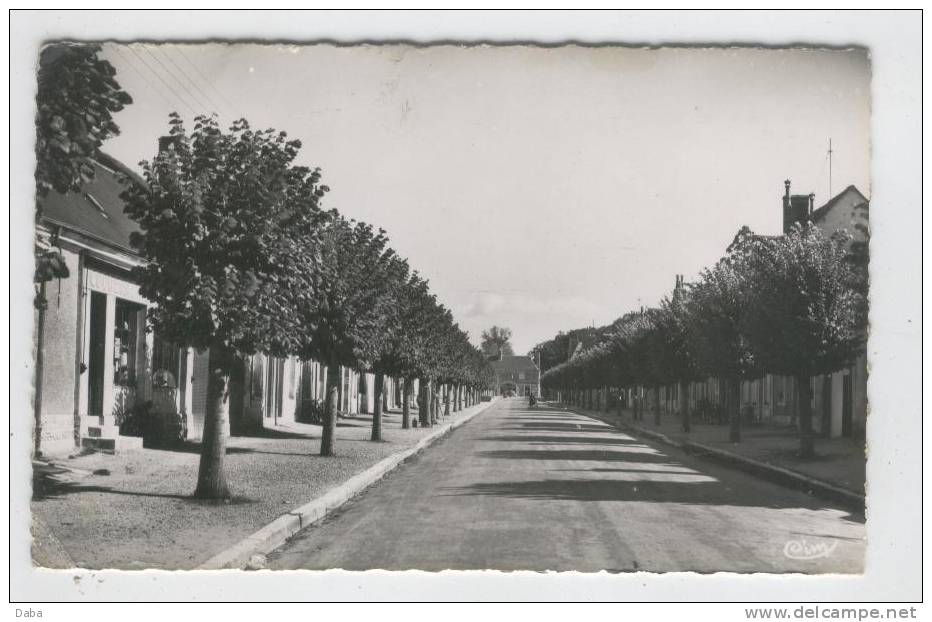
[(77, 96), (229, 228), (809, 315), (497, 340)]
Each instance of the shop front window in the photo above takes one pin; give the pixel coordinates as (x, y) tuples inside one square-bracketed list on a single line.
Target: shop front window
[(125, 342)]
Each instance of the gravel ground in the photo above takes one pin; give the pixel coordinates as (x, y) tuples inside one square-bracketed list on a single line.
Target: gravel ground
[(134, 511)]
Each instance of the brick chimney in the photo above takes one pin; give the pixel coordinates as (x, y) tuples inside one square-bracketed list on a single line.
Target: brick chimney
[(796, 207)]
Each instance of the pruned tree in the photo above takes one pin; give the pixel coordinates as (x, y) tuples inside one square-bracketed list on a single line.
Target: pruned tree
[(719, 305), (389, 359), (808, 316), (343, 323), (229, 227), (676, 361)]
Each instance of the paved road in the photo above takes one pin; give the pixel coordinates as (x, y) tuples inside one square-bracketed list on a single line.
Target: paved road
[(547, 489)]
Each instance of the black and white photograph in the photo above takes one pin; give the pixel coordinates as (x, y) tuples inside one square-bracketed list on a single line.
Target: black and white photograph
[(395, 305)]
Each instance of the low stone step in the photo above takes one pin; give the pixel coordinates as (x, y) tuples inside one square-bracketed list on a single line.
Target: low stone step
[(103, 431), (117, 444)]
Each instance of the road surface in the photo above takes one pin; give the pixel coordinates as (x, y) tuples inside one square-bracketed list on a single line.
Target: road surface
[(547, 489)]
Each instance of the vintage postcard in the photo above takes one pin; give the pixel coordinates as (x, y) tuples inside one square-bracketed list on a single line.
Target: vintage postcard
[(453, 306)]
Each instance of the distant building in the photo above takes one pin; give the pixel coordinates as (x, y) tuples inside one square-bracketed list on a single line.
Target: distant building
[(516, 374)]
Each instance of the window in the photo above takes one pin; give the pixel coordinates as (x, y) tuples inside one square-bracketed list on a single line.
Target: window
[(125, 342), (520, 375)]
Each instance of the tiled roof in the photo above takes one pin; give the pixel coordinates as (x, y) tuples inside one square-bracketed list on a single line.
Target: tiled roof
[(97, 211), (514, 364)]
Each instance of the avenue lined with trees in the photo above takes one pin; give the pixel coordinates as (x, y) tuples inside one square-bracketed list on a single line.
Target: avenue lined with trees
[(241, 258), (240, 375), (793, 305)]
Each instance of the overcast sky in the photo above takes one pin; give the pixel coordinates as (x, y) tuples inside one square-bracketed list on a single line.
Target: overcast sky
[(542, 189)]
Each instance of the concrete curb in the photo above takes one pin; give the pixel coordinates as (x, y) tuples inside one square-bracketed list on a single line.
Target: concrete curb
[(781, 475), (771, 472), (279, 530)]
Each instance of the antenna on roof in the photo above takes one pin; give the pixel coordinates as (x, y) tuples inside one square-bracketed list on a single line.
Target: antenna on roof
[(830, 168)]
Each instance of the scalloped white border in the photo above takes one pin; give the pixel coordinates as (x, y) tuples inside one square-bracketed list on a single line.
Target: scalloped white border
[(893, 566)]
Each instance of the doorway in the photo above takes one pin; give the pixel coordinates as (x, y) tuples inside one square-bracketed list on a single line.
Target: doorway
[(95, 357)]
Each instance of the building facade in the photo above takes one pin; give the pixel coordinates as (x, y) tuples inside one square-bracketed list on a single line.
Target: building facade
[(516, 375), (98, 368)]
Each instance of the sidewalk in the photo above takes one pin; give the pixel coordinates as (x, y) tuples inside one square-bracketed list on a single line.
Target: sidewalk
[(135, 511), (839, 462)]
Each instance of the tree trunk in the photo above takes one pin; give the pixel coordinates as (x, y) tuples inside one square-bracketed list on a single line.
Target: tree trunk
[(804, 401), (405, 403), (335, 380), (423, 402), (734, 410), (446, 400), (211, 478), (377, 407), (657, 405), (684, 405), (435, 407), (385, 394), (340, 391)]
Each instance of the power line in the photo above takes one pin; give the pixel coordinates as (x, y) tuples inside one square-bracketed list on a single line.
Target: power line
[(132, 65), (173, 77), (195, 98), (212, 102), (206, 79), (162, 80)]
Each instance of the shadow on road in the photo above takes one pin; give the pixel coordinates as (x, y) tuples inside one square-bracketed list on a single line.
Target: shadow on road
[(681, 492), (564, 440), (576, 454), (554, 427)]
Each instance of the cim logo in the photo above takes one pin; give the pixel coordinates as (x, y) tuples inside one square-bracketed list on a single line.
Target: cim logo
[(801, 549)]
